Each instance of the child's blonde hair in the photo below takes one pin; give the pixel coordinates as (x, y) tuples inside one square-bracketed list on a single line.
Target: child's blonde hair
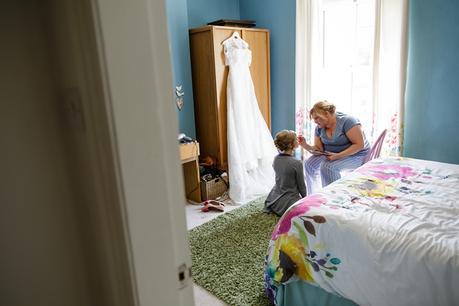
[(285, 140)]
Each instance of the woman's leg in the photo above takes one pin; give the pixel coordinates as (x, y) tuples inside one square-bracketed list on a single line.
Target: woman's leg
[(330, 171), (311, 169)]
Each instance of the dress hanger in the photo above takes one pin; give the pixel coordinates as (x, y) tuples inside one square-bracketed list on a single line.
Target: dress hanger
[(235, 35)]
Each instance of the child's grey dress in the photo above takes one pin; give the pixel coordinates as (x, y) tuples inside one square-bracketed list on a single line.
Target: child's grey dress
[(290, 186)]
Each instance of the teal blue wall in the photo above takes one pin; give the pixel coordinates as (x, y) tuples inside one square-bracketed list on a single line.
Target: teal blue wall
[(183, 15), (432, 93), (177, 15), (279, 18), (200, 12)]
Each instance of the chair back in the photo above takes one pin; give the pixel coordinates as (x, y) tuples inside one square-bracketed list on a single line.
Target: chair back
[(375, 150)]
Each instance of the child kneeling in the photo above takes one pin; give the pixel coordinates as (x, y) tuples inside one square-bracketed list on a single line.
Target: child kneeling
[(290, 185)]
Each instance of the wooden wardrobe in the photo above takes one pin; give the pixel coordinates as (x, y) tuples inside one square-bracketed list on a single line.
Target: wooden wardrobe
[(209, 83)]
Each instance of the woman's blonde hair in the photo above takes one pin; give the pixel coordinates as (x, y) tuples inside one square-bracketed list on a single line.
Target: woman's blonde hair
[(285, 140), (321, 108)]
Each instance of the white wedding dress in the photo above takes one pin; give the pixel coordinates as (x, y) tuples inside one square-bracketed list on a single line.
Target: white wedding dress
[(251, 149)]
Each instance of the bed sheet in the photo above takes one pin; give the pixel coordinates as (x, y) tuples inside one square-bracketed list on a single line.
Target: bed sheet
[(387, 234)]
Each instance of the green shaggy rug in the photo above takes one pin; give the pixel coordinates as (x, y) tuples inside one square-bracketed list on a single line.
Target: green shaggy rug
[(228, 254)]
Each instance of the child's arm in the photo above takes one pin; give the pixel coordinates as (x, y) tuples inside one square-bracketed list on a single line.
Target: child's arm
[(300, 179)]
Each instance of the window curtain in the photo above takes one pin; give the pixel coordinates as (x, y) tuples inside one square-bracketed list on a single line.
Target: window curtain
[(307, 13), (389, 69)]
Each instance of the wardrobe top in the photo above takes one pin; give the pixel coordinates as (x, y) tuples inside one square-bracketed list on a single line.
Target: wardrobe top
[(211, 28)]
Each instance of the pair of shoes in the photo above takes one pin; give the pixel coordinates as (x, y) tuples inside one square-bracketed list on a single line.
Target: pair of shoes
[(213, 205)]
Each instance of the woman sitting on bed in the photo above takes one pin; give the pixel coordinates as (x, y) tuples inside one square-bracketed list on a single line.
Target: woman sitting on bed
[(339, 144)]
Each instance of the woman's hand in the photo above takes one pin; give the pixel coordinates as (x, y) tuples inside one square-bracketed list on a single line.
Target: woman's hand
[(333, 156), (318, 146), (302, 142), (301, 139)]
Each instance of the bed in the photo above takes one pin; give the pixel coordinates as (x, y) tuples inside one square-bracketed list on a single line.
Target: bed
[(386, 234)]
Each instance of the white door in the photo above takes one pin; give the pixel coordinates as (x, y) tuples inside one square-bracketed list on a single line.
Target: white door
[(134, 54)]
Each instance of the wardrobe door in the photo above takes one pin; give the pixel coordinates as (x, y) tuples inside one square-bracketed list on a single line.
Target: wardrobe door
[(258, 40), (204, 93), (220, 34)]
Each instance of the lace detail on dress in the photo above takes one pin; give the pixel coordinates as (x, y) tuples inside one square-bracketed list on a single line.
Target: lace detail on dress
[(237, 51)]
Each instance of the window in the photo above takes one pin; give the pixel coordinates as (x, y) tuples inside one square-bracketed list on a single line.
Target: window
[(344, 75), (353, 54)]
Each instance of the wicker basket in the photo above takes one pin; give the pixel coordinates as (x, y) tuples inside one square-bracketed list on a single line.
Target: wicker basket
[(210, 190)]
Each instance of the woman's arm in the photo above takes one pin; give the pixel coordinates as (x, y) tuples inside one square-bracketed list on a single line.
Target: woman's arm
[(318, 146), (355, 136)]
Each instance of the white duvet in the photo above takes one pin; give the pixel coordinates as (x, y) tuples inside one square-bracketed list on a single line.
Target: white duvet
[(387, 234)]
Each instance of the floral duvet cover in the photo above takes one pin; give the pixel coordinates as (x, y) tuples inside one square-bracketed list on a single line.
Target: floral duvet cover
[(386, 234)]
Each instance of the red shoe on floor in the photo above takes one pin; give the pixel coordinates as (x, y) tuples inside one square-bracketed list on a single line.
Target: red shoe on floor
[(213, 205)]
